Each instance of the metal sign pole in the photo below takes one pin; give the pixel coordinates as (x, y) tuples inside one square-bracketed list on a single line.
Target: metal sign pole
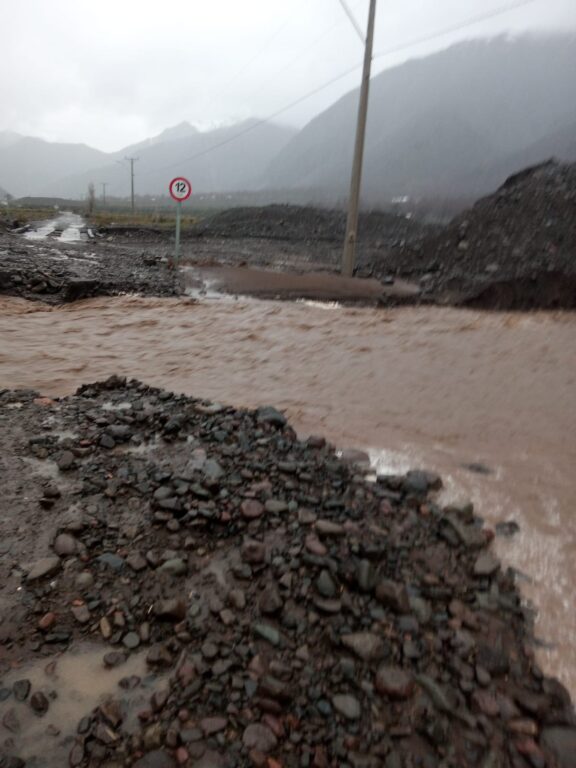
[(177, 239)]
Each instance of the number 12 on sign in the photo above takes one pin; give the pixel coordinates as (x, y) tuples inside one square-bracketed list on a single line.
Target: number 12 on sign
[(180, 189)]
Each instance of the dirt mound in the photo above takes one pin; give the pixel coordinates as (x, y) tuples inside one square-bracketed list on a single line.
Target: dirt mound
[(290, 613), (305, 223), (514, 249)]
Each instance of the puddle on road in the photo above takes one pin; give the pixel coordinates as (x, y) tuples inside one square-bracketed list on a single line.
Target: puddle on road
[(75, 683)]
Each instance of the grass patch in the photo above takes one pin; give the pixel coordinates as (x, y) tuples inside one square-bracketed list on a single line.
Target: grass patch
[(156, 219), (26, 215)]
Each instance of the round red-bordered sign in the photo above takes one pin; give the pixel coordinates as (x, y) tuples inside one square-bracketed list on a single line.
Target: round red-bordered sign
[(180, 189)]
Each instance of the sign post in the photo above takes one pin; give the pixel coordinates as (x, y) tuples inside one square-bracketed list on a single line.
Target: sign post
[(180, 189)]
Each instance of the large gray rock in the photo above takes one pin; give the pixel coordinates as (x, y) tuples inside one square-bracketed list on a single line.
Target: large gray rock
[(43, 568)]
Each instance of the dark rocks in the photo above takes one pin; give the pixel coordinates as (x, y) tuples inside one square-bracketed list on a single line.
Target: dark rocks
[(348, 706), (561, 743), (158, 758), (260, 738), (269, 415), (325, 584), (21, 689), (170, 610), (486, 564), (366, 645), (39, 703), (394, 683), (293, 614), (251, 509), (266, 632), (270, 601), (81, 613), (393, 596), (253, 552)]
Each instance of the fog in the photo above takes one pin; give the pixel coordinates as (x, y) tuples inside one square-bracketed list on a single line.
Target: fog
[(113, 73)]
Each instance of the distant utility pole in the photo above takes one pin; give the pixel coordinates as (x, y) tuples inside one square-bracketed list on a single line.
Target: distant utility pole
[(132, 160), (104, 184), (349, 254)]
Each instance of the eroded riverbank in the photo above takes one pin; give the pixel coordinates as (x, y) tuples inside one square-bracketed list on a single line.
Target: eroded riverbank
[(433, 387)]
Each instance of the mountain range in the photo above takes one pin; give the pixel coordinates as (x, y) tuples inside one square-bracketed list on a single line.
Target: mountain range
[(453, 123)]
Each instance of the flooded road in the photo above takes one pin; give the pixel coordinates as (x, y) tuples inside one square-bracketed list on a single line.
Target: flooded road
[(66, 227), (430, 387)]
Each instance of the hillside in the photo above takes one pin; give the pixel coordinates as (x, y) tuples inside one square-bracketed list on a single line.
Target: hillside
[(28, 165), (435, 122), (236, 165)]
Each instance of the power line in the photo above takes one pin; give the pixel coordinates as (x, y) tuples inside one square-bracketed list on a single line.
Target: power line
[(257, 55), (337, 78), (352, 19), (312, 46), (447, 30)]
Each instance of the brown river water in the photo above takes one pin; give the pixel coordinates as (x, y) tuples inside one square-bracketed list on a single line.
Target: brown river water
[(429, 387)]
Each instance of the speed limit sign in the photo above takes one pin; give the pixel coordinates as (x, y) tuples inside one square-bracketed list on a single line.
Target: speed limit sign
[(180, 189)]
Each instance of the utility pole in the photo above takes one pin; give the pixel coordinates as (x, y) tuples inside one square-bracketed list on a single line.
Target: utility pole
[(132, 160), (349, 253), (104, 184)]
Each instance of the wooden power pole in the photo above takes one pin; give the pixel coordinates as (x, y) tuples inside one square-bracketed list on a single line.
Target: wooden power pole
[(132, 160), (349, 253)]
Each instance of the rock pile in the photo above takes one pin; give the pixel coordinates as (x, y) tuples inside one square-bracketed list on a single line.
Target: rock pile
[(515, 249), (55, 273), (309, 224), (300, 613)]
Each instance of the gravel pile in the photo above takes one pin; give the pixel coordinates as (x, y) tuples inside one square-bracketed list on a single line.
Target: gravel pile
[(308, 224), (515, 249), (292, 611)]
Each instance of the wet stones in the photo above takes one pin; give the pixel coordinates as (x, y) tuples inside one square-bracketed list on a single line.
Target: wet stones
[(260, 738), (312, 619), (172, 609), (39, 703), (269, 415), (270, 601), (253, 552), (394, 682), (325, 584), (21, 689), (81, 613), (43, 569), (486, 564), (365, 645), (251, 509), (65, 545), (393, 595), (157, 758), (561, 743), (347, 705)]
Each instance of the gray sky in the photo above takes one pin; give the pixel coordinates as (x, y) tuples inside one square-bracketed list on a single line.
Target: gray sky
[(113, 72)]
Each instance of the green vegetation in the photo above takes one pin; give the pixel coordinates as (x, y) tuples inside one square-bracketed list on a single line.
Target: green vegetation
[(25, 215), (156, 219)]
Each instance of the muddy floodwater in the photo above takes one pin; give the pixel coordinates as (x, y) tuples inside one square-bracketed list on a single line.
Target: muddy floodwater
[(430, 387)]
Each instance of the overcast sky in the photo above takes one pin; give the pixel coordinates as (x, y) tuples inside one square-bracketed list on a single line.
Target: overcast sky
[(113, 72)]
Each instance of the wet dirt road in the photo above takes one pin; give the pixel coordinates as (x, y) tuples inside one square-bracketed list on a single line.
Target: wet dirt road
[(428, 387)]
